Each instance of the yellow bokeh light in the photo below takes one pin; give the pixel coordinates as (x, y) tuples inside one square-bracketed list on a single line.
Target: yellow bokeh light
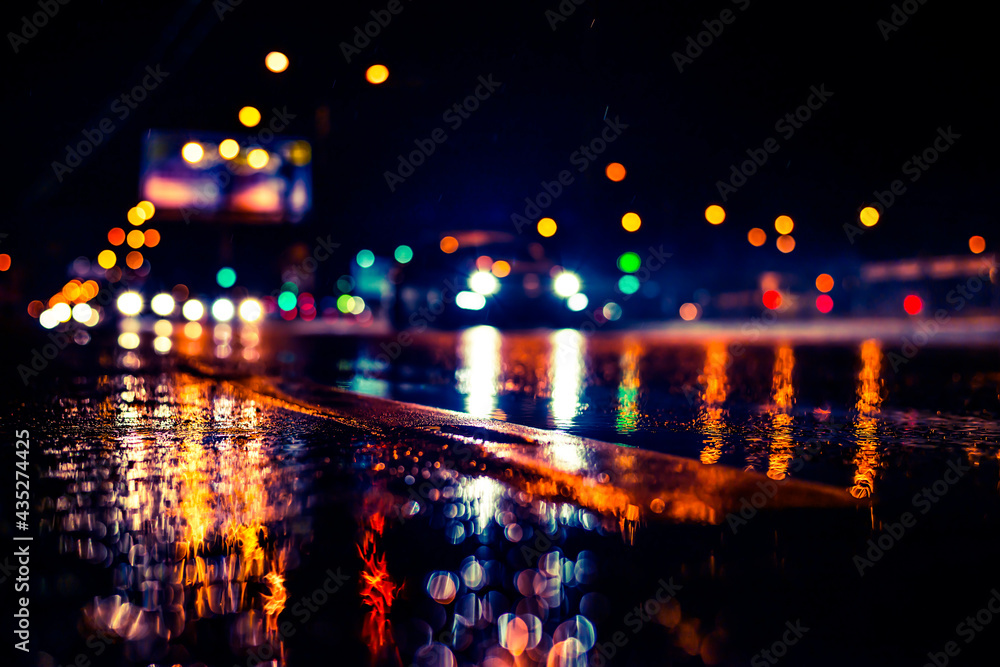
[(229, 148), (786, 243), (715, 214), (869, 216), (824, 282), (757, 237), (377, 74), (631, 222), (501, 268), (977, 244), (71, 291), (192, 152), (547, 227), (136, 216), (249, 116), (135, 239), (147, 208), (783, 224), (449, 244), (133, 260), (258, 158), (276, 61), (106, 259)]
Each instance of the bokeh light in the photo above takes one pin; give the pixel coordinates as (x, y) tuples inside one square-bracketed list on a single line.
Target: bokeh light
[(249, 116), (869, 216), (631, 222), (4, 262), (689, 312), (135, 239), (133, 260), (783, 224), (913, 304), (449, 244), (566, 284), (223, 310), (547, 227), (365, 259), (136, 216), (276, 61), (500, 268), (612, 311), (977, 244), (162, 304), (251, 310), (116, 236), (345, 302), (147, 208), (377, 74), (628, 284), (193, 310), (757, 237), (130, 304), (577, 302), (785, 243), (629, 262), (484, 282), (192, 152), (128, 340), (258, 158), (715, 214), (287, 301), (615, 172), (152, 238), (771, 299), (403, 254), (229, 148), (226, 277), (106, 259), (824, 303), (824, 282), (82, 313)]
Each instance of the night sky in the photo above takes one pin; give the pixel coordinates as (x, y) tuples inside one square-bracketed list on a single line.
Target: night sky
[(606, 60)]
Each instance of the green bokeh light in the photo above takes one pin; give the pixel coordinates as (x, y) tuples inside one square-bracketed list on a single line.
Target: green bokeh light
[(286, 300), (629, 262), (628, 284), (403, 254), (345, 303), (366, 258), (226, 277), (290, 287)]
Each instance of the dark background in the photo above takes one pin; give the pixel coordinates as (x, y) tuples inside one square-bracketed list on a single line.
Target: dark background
[(607, 58)]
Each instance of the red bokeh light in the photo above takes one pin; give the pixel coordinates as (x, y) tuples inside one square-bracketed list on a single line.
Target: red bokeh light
[(772, 299), (289, 314), (913, 304), (824, 303)]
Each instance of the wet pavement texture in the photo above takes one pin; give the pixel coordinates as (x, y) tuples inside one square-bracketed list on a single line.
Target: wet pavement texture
[(215, 507)]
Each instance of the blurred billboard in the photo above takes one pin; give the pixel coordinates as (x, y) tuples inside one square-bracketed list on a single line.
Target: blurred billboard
[(212, 177)]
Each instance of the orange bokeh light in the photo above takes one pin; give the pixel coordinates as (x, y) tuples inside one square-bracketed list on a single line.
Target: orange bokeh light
[(501, 268), (449, 244), (615, 171), (4, 262), (116, 236), (977, 244), (135, 239), (757, 237), (133, 260), (152, 238), (824, 282), (35, 308), (786, 243)]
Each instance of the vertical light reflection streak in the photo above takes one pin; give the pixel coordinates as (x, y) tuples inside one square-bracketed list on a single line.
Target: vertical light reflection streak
[(628, 389), (714, 382), (783, 400), (479, 374), (868, 406), (568, 369)]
